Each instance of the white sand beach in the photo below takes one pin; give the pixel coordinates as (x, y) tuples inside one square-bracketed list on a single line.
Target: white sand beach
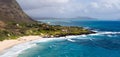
[(10, 43)]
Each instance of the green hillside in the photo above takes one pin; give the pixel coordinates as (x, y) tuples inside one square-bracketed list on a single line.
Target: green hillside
[(14, 23)]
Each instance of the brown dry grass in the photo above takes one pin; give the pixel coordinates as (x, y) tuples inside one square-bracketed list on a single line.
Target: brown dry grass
[(2, 25)]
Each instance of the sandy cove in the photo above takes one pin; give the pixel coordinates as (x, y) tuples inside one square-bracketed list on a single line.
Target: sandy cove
[(10, 43)]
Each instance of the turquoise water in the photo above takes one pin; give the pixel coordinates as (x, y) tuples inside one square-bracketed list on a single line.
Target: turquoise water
[(105, 43)]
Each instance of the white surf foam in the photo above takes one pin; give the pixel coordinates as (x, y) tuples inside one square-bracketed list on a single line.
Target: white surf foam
[(12, 52), (71, 40), (105, 33)]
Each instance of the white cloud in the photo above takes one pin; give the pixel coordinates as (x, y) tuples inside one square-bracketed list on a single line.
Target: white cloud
[(56, 1), (95, 5), (72, 8)]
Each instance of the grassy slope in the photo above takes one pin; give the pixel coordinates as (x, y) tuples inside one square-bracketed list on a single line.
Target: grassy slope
[(15, 30)]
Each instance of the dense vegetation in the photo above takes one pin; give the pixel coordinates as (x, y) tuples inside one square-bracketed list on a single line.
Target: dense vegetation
[(14, 30)]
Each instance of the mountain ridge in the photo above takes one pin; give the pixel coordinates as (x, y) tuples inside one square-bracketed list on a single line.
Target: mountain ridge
[(10, 11)]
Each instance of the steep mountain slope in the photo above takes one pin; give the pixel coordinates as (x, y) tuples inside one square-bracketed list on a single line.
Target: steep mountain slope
[(10, 11)]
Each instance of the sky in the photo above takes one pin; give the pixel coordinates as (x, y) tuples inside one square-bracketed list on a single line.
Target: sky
[(102, 9)]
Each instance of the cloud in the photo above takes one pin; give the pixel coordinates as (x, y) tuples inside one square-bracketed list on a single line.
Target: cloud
[(71, 8), (95, 5)]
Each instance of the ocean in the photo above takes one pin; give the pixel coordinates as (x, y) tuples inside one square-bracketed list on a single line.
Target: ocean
[(105, 43)]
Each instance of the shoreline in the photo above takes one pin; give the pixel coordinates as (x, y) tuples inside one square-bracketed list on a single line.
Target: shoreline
[(6, 44), (13, 49)]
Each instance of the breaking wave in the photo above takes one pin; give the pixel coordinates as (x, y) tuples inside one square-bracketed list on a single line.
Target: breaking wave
[(12, 52)]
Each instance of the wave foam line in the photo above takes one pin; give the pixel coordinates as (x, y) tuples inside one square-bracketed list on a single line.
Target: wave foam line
[(15, 50), (105, 33), (12, 52)]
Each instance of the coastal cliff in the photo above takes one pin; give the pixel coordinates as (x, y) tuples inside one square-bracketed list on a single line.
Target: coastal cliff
[(10, 11)]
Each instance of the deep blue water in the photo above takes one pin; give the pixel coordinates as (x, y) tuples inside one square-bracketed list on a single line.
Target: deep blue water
[(105, 43)]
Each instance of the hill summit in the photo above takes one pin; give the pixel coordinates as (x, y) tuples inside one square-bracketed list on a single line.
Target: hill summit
[(10, 11)]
